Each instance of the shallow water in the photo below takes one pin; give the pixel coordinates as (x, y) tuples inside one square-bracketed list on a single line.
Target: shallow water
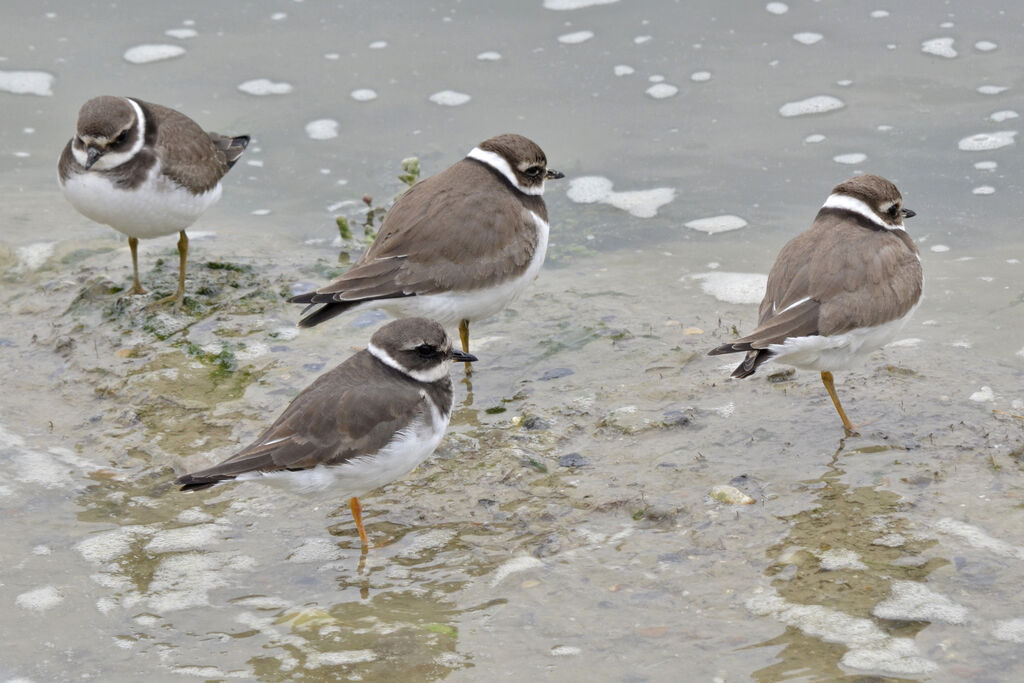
[(565, 528)]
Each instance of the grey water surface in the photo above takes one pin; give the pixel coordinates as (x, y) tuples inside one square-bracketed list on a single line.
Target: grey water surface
[(568, 528)]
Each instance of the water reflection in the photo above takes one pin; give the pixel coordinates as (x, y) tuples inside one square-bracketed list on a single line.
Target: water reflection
[(839, 560)]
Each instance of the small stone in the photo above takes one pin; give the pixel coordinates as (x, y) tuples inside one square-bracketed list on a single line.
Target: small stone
[(555, 373), (572, 460), (730, 494)]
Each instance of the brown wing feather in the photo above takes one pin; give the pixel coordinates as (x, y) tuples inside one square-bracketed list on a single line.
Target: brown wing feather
[(192, 159), (847, 279), (331, 421), (448, 232)]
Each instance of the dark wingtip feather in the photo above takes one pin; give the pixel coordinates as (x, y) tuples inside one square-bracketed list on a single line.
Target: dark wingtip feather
[(190, 482), (325, 312)]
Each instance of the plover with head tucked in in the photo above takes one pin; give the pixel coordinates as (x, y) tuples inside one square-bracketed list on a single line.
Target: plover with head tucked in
[(840, 290), (146, 171)]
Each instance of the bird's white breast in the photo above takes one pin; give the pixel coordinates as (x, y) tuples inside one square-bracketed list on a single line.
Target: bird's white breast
[(155, 208)]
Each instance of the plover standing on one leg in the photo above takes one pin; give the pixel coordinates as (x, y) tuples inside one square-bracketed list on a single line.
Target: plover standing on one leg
[(840, 290)]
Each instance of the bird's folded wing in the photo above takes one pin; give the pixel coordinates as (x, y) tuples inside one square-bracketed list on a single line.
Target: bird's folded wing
[(323, 429)]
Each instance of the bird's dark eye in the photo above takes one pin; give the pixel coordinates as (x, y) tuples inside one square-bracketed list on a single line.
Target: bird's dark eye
[(534, 171), (122, 137), (894, 210), (426, 350)]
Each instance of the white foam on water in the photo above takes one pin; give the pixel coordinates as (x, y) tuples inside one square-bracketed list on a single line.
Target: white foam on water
[(184, 580), (1004, 115), (489, 56), (322, 129), (807, 37), (144, 54), (840, 558), (984, 190), (623, 70), (181, 33), (576, 37), (851, 158), (332, 55), (450, 98), (278, 16), (940, 47), (892, 540), (516, 564), (427, 540), (985, 46), (363, 94), (983, 395), (844, 83), (992, 89), (565, 651), (700, 76), (939, 248), (315, 550), (715, 224), (981, 142), (27, 82), (914, 601), (31, 257), (589, 189), (265, 86), (986, 165), (656, 78), (1010, 630), (640, 40), (978, 538), (185, 538), (818, 104), (105, 547), (315, 659), (40, 599), (732, 288), (879, 14), (566, 5), (378, 45), (814, 138), (776, 8), (639, 203), (870, 648), (660, 91), (193, 516)]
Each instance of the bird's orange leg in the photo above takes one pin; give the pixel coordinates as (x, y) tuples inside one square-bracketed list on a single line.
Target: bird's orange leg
[(827, 380)]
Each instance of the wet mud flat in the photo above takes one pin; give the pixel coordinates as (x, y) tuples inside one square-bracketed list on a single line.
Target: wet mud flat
[(567, 525)]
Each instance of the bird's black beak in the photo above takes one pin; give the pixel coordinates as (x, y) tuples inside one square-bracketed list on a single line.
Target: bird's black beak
[(93, 156), (462, 356), (907, 213), (552, 174)]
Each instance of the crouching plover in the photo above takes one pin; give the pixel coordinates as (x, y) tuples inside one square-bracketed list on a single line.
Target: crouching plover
[(840, 290), (457, 246), (365, 423), (146, 171)]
